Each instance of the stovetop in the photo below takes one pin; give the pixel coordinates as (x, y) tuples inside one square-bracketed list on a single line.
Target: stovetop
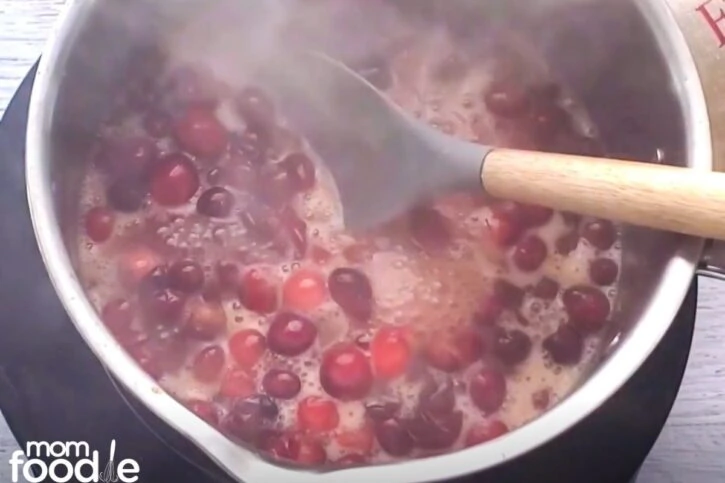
[(52, 388)]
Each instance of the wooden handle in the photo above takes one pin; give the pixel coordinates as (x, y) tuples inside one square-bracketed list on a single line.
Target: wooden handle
[(669, 198)]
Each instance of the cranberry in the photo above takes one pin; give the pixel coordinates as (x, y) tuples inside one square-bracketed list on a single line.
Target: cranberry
[(530, 253), (534, 216), (127, 158), (587, 307), (565, 346), (215, 203), (257, 222), (199, 132), (382, 409), (600, 233), (434, 431), (248, 418), (186, 276), (512, 347), (485, 431), (290, 334), (206, 320), (174, 180), (393, 438), (437, 397), (509, 294), (304, 290), (161, 304), (247, 347), (118, 316), (351, 290), (301, 449), (351, 459), (390, 353), (567, 243), (603, 271), (157, 124), (126, 195), (296, 230), (546, 289), (136, 263), (228, 275), (504, 230), (275, 186), (252, 145), (318, 415), (255, 106), (168, 350), (506, 99), (281, 384), (345, 372), (205, 410), (208, 363), (450, 352), (236, 383), (489, 311), (488, 390), (99, 224), (258, 293), (429, 228)]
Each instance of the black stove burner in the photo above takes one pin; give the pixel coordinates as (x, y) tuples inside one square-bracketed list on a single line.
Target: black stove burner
[(52, 388)]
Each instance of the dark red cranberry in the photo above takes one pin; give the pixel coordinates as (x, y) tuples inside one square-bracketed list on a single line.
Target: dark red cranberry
[(215, 202), (281, 384), (435, 431), (127, 157), (508, 294), (488, 390), (186, 276), (603, 271), (530, 253), (258, 293), (255, 106), (248, 418), (351, 290), (511, 347), (429, 228), (485, 431), (506, 99), (437, 397), (375, 70), (489, 311), (393, 438), (208, 363), (506, 224), (162, 305), (345, 372), (296, 230), (567, 243), (174, 180), (157, 124), (199, 132), (126, 195), (205, 320), (600, 233), (99, 223), (291, 334), (546, 289), (236, 383), (300, 171), (382, 409), (252, 145), (565, 346), (534, 216), (587, 307), (247, 347), (205, 410)]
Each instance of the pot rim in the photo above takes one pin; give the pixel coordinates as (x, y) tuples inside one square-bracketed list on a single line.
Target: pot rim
[(243, 464)]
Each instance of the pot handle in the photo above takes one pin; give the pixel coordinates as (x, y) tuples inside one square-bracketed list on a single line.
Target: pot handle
[(713, 260)]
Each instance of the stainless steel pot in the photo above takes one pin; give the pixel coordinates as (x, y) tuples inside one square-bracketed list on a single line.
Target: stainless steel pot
[(647, 71)]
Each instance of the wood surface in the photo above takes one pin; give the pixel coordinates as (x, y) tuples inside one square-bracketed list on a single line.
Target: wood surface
[(691, 448)]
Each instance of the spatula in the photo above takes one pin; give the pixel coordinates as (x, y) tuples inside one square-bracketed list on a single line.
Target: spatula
[(385, 161)]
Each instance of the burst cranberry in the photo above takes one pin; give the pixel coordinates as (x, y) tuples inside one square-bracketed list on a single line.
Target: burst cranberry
[(512, 347), (206, 320), (281, 384), (127, 158), (567, 243), (157, 124), (290, 334), (305, 290), (186, 276), (208, 363), (435, 431), (205, 410), (301, 449), (393, 438), (530, 253), (236, 383), (255, 106), (199, 132), (546, 289), (174, 180), (506, 99), (452, 352), (247, 347), (319, 255), (215, 203), (345, 372), (390, 353), (565, 346), (317, 415), (429, 228), (99, 224), (489, 311), (359, 439), (534, 215), (250, 417), (258, 293), (126, 195), (118, 316), (587, 307), (485, 431), (252, 145), (382, 409), (488, 390), (437, 397), (600, 233), (136, 263), (603, 271), (509, 294), (352, 291)]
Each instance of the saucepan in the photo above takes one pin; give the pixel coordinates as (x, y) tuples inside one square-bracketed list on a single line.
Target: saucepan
[(646, 71)]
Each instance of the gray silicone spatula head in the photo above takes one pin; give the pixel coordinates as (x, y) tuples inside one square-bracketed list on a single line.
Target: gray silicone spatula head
[(383, 161)]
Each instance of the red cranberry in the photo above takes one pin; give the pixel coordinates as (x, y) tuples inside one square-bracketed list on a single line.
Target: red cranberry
[(530, 253), (345, 372), (199, 132), (429, 228), (546, 289), (118, 316), (488, 390), (317, 415), (534, 216), (290, 334), (126, 195), (603, 271), (186, 276), (437, 397), (351, 290), (301, 449), (208, 363), (390, 353), (99, 224), (506, 99), (567, 243), (281, 384), (435, 431), (127, 157), (252, 145), (215, 203), (450, 352), (174, 180), (304, 290), (565, 346), (255, 106), (258, 293), (205, 410), (206, 320), (512, 347), (600, 233), (504, 231), (485, 431), (236, 383), (508, 294), (300, 171), (247, 347), (135, 264), (393, 438), (248, 418), (157, 124), (489, 311), (587, 307)]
